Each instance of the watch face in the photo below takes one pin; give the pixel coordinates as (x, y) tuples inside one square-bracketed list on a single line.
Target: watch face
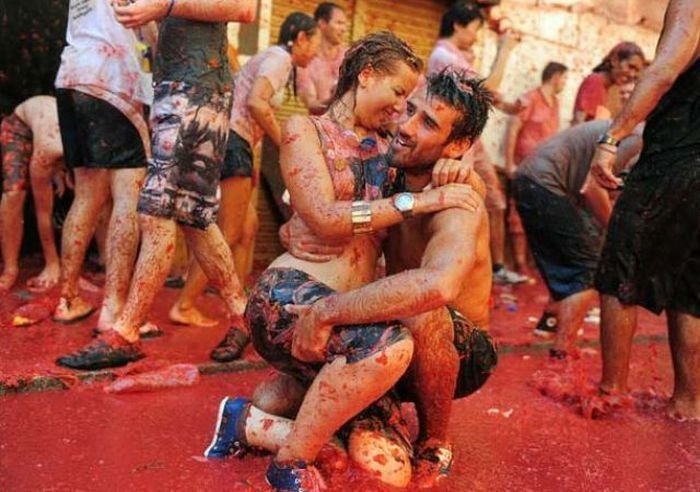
[(404, 202)]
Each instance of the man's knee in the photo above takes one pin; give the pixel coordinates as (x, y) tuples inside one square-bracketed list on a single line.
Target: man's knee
[(382, 456), (281, 395), (435, 326)]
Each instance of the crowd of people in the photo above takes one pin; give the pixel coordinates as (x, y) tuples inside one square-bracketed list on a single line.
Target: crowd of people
[(399, 216)]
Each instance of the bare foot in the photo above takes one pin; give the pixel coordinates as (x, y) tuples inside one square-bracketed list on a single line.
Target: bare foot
[(685, 410), (70, 311), (46, 280), (190, 316), (8, 279), (106, 319)]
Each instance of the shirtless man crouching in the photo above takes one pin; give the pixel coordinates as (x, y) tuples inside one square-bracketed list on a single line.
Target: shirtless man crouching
[(434, 261)]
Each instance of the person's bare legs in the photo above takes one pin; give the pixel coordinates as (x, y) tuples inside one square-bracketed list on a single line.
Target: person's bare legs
[(40, 173), (618, 323), (432, 376), (520, 252), (216, 261), (244, 250), (152, 266), (339, 392), (11, 219), (91, 193), (235, 195), (122, 242), (684, 338), (572, 311), (497, 236)]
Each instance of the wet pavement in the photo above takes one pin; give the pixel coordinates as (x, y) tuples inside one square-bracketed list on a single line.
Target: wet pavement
[(525, 430)]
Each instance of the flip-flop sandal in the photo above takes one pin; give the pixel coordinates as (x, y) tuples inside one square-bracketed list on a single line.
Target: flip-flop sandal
[(154, 332), (231, 347), (75, 319), (39, 286), (150, 330)]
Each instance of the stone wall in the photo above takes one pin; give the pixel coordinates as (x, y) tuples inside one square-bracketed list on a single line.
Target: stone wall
[(576, 33)]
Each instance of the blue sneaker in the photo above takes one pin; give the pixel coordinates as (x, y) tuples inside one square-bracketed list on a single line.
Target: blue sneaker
[(229, 433), (294, 477)]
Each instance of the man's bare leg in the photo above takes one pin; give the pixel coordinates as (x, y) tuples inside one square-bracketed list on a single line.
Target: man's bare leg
[(235, 195), (520, 252), (618, 323), (684, 337), (40, 174), (432, 376), (121, 242), (339, 392), (91, 193), (152, 266), (497, 233), (214, 257), (11, 219), (572, 311)]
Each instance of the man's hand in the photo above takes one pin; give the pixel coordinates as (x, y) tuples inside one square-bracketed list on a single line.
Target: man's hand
[(451, 195), (310, 336), (62, 179), (302, 243), (451, 171), (140, 12), (601, 168)]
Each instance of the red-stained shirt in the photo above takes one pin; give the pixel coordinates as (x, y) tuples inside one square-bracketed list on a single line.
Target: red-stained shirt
[(591, 94), (540, 121)]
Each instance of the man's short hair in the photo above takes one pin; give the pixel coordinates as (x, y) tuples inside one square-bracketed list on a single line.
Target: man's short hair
[(552, 69), (324, 11), (472, 100), (459, 13)]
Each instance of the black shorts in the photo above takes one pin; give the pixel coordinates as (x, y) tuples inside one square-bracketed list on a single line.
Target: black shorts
[(652, 253), (272, 327), (95, 134), (238, 161), (564, 238)]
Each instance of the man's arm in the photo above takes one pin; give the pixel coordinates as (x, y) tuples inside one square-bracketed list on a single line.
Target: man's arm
[(506, 43), (514, 126), (595, 196), (140, 12), (676, 50), (448, 257)]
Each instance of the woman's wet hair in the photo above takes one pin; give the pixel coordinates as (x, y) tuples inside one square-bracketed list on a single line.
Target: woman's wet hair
[(460, 13), (381, 51), (472, 100), (295, 23), (621, 51)]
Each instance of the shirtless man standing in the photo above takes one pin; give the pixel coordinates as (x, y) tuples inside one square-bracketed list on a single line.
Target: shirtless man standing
[(651, 256), (31, 156), (434, 260)]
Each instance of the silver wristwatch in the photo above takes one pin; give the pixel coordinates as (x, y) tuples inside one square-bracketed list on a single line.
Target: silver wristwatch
[(404, 202)]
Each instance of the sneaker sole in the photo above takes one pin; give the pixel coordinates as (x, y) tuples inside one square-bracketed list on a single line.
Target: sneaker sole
[(220, 416), (543, 333)]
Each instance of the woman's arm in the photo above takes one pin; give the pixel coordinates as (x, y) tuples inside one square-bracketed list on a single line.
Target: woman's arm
[(311, 188)]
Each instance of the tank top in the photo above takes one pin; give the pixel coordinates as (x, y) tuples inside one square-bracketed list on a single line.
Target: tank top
[(358, 167), (672, 132)]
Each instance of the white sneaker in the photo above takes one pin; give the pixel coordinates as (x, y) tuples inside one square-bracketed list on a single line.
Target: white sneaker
[(504, 276)]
